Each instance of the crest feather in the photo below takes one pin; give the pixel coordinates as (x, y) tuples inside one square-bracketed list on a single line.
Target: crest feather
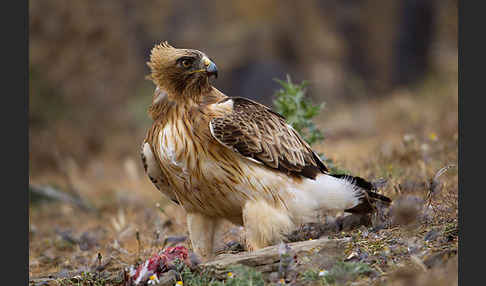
[(160, 53), (165, 44), (160, 56)]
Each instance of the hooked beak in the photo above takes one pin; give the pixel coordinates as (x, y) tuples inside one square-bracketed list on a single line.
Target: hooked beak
[(211, 68)]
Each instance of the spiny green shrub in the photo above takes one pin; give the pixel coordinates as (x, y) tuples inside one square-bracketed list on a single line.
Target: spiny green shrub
[(291, 102)]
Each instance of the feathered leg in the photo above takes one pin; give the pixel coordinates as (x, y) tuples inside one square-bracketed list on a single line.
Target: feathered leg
[(201, 232), (264, 224)]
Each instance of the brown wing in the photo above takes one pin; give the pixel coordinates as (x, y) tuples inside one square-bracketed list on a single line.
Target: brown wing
[(256, 132)]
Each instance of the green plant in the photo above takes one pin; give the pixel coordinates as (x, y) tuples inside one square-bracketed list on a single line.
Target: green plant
[(311, 275), (238, 275), (291, 102), (85, 278), (346, 271), (339, 274), (196, 278), (244, 276)]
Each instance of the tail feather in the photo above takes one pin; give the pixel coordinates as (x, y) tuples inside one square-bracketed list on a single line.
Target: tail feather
[(325, 193), (368, 201), (335, 192)]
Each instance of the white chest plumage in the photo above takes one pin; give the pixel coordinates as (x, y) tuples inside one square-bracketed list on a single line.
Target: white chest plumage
[(153, 171), (175, 149)]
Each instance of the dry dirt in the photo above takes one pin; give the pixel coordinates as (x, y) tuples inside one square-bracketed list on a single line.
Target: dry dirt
[(405, 138)]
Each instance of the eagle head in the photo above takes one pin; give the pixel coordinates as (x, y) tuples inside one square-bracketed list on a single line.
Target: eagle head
[(180, 71)]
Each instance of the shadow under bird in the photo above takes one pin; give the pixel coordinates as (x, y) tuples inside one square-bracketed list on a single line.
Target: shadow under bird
[(230, 158)]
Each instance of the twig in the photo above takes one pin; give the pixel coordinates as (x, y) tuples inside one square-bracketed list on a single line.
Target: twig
[(137, 235), (50, 192), (434, 185)]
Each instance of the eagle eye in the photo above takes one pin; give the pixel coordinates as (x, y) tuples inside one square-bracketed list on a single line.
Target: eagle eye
[(186, 63)]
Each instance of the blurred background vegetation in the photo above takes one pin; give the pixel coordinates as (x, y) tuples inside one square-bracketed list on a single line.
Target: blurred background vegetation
[(88, 93)]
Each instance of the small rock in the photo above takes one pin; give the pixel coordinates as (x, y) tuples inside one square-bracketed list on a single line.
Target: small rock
[(410, 186), (406, 210), (431, 235), (353, 221), (67, 235), (87, 241), (354, 256), (194, 259), (438, 258)]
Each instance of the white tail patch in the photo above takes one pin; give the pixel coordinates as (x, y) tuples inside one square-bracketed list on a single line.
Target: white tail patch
[(324, 193)]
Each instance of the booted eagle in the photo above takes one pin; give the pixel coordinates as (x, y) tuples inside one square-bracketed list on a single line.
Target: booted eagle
[(230, 158)]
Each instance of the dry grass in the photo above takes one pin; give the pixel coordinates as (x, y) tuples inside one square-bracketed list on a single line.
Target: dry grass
[(405, 137)]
